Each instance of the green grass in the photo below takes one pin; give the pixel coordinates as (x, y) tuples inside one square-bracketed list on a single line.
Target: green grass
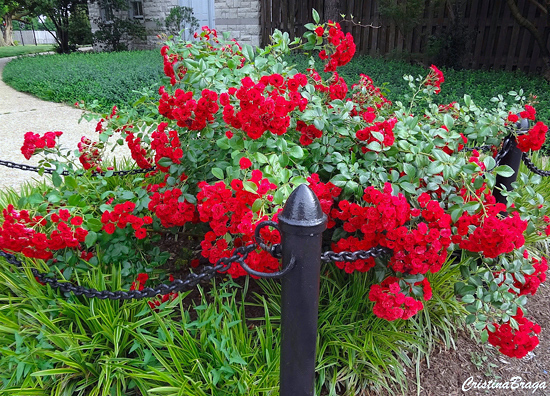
[(6, 52)]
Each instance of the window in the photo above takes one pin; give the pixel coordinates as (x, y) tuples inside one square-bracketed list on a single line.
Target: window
[(136, 9), (106, 11)]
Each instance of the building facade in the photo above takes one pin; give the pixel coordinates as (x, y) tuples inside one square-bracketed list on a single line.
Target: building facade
[(241, 18)]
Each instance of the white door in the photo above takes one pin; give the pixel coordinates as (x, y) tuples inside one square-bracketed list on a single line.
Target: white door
[(203, 11)]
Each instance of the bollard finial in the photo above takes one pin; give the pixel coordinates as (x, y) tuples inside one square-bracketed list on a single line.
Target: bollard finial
[(302, 211)]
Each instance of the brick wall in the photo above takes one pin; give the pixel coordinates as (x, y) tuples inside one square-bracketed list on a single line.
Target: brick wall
[(241, 18)]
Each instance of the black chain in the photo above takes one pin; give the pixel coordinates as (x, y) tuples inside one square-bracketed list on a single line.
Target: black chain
[(177, 285), (192, 280), (50, 171), (529, 164), (506, 147), (478, 148), (357, 255)]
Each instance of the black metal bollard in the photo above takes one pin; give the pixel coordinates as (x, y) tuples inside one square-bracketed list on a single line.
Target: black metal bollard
[(301, 223), (513, 160)]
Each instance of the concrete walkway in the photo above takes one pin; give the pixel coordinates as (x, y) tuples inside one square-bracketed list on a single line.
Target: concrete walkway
[(21, 113)]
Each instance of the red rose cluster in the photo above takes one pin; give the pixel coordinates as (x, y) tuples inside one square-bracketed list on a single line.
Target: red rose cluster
[(228, 209), (90, 157), (534, 280), (515, 342), (188, 112), (338, 89), (326, 192), (424, 248), (121, 216), (435, 79), (384, 127), (169, 61), (391, 304), (309, 133), (492, 234), (168, 146), (529, 113), (254, 109), (367, 95), (343, 47), (18, 234), (34, 142), (387, 212), (170, 210), (138, 153), (533, 139)]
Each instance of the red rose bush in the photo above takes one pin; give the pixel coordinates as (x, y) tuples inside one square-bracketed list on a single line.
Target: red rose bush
[(234, 130)]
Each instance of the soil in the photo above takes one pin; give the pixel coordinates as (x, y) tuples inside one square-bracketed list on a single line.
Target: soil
[(449, 369)]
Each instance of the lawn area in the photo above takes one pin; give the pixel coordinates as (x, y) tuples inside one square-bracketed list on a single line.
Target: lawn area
[(6, 52)]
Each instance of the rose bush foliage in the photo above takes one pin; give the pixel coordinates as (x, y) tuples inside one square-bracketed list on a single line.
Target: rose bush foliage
[(234, 129)]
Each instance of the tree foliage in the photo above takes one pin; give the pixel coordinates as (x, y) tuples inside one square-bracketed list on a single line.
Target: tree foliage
[(59, 12), (115, 29), (181, 18)]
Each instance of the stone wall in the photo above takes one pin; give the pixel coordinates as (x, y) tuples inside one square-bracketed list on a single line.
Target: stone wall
[(241, 18), (154, 12)]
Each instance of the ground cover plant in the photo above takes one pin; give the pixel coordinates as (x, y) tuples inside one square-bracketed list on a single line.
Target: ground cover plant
[(230, 134), (6, 52), (106, 78)]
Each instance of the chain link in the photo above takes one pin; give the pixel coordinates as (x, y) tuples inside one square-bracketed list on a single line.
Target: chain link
[(357, 255), (178, 285), (531, 166), (478, 148), (192, 280), (50, 171)]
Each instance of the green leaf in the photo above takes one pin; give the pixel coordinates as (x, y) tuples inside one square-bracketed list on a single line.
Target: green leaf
[(165, 162), (218, 173), (448, 121), (127, 195), (56, 179), (410, 170), (296, 152), (250, 186), (374, 146), (257, 205), (408, 187), (435, 168), (468, 299), (315, 14), (278, 197), (504, 171), (94, 225), (91, 238), (248, 52)]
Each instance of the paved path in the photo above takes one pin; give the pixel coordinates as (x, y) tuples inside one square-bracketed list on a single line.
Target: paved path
[(21, 113)]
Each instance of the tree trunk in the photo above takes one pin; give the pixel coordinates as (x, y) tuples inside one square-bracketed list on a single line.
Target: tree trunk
[(537, 35), (8, 30), (332, 10)]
